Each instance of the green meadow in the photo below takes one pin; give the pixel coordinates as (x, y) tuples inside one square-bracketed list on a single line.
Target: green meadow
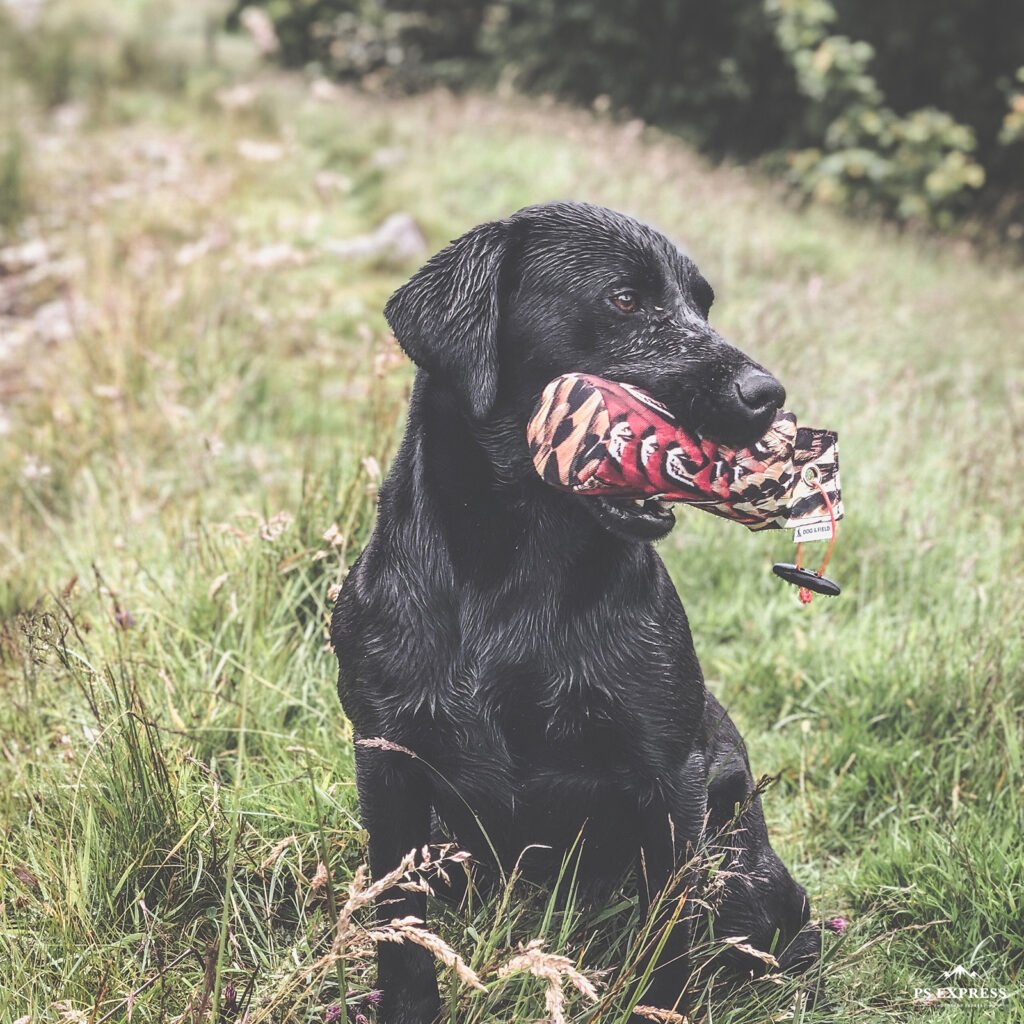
[(198, 397)]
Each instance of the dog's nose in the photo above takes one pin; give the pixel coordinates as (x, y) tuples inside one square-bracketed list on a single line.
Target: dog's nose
[(759, 391)]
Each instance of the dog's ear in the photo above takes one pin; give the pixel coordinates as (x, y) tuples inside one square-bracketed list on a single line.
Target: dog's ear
[(446, 315)]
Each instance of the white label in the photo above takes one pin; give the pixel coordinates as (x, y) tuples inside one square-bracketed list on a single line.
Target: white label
[(812, 531)]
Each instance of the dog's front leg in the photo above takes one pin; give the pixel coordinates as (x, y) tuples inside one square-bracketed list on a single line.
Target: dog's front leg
[(394, 801), (671, 835)]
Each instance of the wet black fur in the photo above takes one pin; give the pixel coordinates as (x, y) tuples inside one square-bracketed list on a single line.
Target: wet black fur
[(527, 645)]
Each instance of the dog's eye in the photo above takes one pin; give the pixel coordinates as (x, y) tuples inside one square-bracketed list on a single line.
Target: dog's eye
[(626, 301)]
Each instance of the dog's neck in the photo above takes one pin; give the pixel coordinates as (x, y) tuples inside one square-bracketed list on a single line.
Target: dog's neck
[(497, 518)]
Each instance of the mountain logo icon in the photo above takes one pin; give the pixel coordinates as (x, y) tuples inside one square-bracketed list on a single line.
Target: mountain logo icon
[(959, 972)]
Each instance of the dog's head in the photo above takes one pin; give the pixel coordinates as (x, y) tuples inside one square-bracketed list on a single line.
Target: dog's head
[(572, 287)]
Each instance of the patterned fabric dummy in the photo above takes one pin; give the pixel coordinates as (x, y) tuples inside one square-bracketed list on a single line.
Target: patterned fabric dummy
[(595, 437)]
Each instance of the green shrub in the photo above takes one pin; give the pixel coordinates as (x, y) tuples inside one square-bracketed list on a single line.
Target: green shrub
[(711, 69), (918, 166), (404, 45), (14, 199), (912, 110), (959, 56), (75, 53), (1012, 128)]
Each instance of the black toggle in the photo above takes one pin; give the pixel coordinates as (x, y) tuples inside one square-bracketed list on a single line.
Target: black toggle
[(806, 578)]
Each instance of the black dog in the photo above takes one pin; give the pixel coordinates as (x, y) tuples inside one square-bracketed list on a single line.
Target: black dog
[(527, 644)]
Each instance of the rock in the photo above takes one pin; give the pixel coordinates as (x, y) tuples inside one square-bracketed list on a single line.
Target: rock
[(328, 182), (261, 30), (324, 90), (387, 157), (16, 258), (398, 239), (275, 255), (237, 97), (260, 152)]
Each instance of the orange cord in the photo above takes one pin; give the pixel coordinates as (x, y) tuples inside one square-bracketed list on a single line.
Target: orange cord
[(806, 596)]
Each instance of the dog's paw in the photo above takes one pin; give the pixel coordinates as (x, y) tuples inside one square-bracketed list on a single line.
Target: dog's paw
[(409, 1008)]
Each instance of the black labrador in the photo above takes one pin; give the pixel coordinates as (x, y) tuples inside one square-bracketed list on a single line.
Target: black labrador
[(528, 644)]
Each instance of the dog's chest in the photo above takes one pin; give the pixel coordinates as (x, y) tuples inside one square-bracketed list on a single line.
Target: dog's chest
[(549, 712), (551, 696), (571, 690), (545, 753)]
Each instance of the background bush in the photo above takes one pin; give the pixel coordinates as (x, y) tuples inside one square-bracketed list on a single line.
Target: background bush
[(915, 110)]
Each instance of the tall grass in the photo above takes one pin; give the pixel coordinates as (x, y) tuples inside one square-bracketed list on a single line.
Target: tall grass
[(14, 200), (191, 461)]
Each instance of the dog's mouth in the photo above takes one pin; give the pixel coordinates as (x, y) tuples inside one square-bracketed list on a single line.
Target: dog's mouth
[(635, 519)]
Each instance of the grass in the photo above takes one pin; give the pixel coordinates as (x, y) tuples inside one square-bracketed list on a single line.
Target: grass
[(197, 399)]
